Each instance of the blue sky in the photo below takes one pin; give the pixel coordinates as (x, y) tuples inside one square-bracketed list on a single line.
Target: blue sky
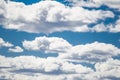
[(80, 33)]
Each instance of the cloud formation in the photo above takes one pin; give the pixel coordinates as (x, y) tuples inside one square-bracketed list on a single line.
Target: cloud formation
[(47, 44), (49, 16), (96, 3), (16, 49), (92, 52), (12, 47), (31, 67), (4, 43)]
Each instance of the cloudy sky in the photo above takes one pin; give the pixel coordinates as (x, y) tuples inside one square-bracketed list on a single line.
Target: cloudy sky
[(60, 39)]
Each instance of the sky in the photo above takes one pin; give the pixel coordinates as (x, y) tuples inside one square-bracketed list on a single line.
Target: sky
[(60, 39)]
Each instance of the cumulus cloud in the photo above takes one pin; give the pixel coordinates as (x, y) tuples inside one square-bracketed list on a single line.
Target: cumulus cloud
[(94, 52), (31, 67), (96, 3), (12, 48), (100, 28), (4, 43), (47, 44), (110, 3), (115, 28), (105, 69), (2, 11), (16, 49), (49, 16), (25, 65)]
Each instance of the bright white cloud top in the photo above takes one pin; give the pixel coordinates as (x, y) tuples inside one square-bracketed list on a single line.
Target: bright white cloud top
[(47, 16), (94, 52), (31, 67), (47, 44)]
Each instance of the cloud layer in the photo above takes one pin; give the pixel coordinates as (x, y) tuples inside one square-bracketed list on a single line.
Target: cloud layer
[(49, 16), (31, 67), (92, 52), (91, 61)]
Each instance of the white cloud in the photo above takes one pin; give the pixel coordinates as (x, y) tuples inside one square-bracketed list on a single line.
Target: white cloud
[(110, 3), (16, 49), (2, 11), (4, 43), (47, 44), (115, 28), (99, 28), (30, 66), (35, 68), (108, 70), (49, 16), (96, 3), (94, 52), (12, 48)]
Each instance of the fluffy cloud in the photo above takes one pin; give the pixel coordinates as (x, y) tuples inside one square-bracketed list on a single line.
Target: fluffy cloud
[(16, 49), (47, 44), (2, 11), (96, 3), (99, 28), (94, 52), (110, 3), (4, 43), (30, 67), (108, 70), (49, 16), (12, 48), (116, 27)]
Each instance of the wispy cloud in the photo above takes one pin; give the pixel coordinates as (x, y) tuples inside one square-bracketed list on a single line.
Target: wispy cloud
[(4, 43), (16, 49)]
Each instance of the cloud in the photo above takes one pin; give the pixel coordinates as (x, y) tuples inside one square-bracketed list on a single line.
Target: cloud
[(108, 69), (110, 3), (47, 44), (49, 16), (96, 3), (12, 48), (115, 28), (4, 43), (16, 49), (2, 12), (99, 28), (94, 52), (31, 67)]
